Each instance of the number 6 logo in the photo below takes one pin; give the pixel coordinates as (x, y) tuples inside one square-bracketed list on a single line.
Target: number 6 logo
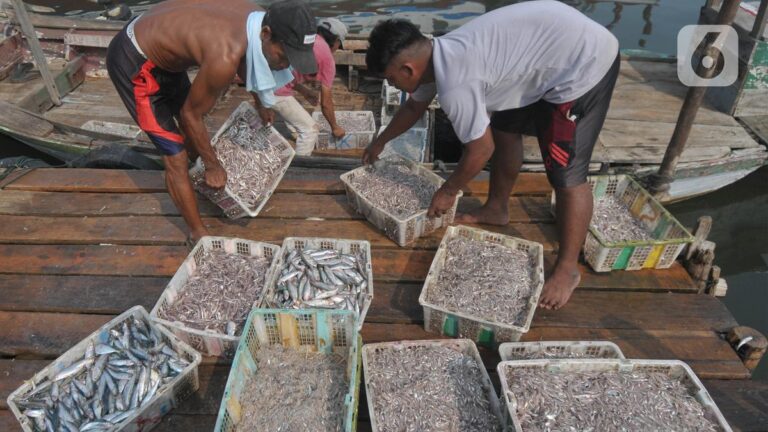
[(724, 58)]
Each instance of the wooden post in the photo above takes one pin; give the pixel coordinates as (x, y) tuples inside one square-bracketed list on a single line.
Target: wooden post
[(760, 19), (659, 182), (749, 344), (37, 50)]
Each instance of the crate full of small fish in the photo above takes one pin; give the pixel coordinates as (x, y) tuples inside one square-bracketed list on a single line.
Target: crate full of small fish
[(208, 300), (388, 112), (413, 145), (606, 394), (322, 273), (255, 158), (123, 377), (391, 95), (360, 128), (294, 371), (559, 350), (630, 230), (429, 385), (394, 194), (483, 286)]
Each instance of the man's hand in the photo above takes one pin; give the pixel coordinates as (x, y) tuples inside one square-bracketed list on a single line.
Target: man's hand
[(442, 201), (267, 116), (338, 132), (372, 152), (215, 176)]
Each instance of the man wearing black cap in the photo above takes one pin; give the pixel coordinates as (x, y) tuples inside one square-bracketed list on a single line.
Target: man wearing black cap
[(148, 61)]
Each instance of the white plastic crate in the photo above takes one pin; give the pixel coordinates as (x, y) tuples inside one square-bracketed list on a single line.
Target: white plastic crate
[(401, 231), (560, 349), (232, 205), (359, 137), (168, 396), (343, 246), (411, 145), (304, 330), (206, 341), (674, 369), (459, 324), (464, 346), (390, 95), (388, 111)]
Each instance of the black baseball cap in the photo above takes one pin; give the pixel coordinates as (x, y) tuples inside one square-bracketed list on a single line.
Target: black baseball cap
[(293, 25)]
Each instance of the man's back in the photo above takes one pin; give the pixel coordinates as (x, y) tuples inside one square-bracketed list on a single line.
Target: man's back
[(178, 34)]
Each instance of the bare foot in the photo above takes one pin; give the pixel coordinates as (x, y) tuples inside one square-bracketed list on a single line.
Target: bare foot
[(489, 215), (558, 288)]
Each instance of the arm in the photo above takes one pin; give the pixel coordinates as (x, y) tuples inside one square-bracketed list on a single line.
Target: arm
[(267, 115), (329, 112), (404, 119), (476, 154)]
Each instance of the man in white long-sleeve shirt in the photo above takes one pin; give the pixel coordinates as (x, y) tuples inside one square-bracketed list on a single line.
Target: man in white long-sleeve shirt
[(538, 66)]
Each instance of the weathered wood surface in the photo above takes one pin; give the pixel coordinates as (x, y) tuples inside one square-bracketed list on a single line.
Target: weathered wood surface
[(743, 403)]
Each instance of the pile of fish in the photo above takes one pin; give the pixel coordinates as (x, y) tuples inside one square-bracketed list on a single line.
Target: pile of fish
[(602, 401), (252, 161), (554, 354), (394, 188), (350, 122), (484, 279), (294, 391), (220, 293), (613, 220), (429, 388), (111, 382), (322, 278)]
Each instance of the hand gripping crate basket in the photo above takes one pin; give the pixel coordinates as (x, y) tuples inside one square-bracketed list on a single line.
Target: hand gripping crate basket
[(674, 369), (412, 145), (390, 95), (360, 128), (232, 205), (459, 324), (343, 246), (401, 231), (323, 331), (464, 346), (206, 341), (388, 112), (168, 396), (671, 237), (559, 349)]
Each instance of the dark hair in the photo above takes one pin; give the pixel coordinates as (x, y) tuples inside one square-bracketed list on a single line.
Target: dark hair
[(387, 40), (329, 37)]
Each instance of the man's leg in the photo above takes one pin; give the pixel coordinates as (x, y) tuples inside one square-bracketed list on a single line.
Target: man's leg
[(297, 117), (182, 193), (505, 166)]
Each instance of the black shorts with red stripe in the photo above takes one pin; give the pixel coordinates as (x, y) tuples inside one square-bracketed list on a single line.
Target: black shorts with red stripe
[(152, 96), (566, 132)]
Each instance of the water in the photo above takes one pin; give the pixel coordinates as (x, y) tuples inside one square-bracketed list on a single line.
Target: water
[(740, 211)]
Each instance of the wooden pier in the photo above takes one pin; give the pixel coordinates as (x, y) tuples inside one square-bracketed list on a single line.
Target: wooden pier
[(79, 246)]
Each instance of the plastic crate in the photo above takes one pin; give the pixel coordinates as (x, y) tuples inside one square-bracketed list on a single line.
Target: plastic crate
[(206, 341), (673, 368), (671, 237), (401, 231), (168, 396), (412, 145), (458, 324), (464, 346), (560, 349), (353, 138), (388, 111), (344, 246), (305, 330), (390, 95), (232, 205)]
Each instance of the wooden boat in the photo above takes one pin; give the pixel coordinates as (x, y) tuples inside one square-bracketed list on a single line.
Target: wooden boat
[(643, 113)]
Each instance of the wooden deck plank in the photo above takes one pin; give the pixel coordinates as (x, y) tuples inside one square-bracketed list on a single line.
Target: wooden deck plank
[(388, 265), (301, 180), (744, 403), (631, 133), (281, 205)]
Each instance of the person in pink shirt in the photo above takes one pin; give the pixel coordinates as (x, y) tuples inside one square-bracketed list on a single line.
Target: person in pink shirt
[(332, 32)]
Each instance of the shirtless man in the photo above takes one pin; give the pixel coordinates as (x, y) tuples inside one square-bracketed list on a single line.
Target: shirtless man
[(538, 65), (148, 61)]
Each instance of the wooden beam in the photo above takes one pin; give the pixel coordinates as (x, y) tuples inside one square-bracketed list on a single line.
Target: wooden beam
[(343, 57), (66, 80)]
